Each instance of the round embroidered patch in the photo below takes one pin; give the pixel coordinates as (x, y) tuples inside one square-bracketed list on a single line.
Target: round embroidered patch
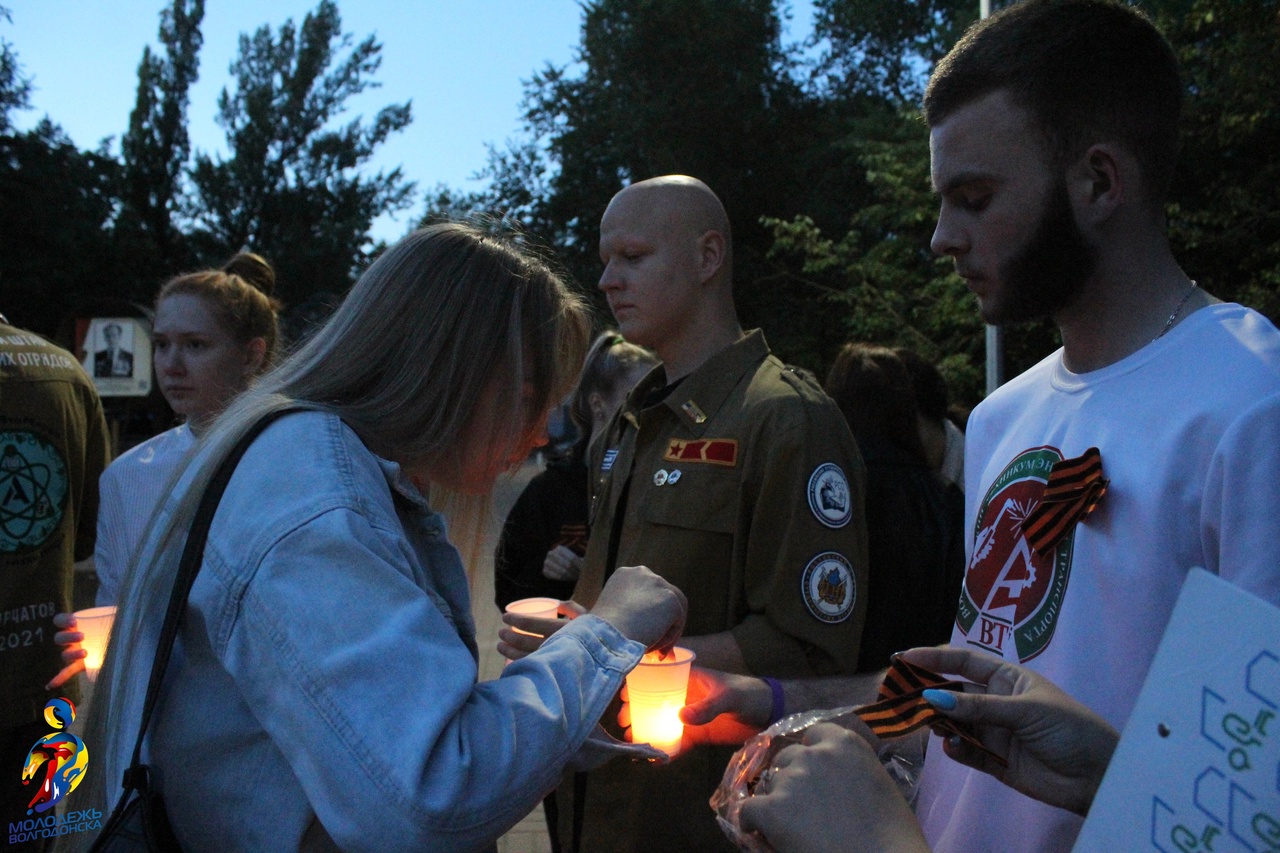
[(829, 495), (33, 491), (829, 587)]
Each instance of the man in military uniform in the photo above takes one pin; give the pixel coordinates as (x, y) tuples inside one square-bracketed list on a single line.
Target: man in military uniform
[(53, 447), (728, 473)]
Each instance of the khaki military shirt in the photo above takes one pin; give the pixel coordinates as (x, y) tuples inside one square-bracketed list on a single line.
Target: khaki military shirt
[(744, 489), (53, 447)]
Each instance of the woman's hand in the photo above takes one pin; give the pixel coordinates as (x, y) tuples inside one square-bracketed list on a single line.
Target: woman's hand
[(72, 653), (523, 635), (643, 607), (639, 604), (561, 564), (1057, 750)]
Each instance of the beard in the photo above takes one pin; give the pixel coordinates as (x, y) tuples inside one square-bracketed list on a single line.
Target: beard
[(1047, 273)]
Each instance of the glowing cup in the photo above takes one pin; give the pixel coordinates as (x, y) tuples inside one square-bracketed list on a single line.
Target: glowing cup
[(656, 690), (96, 625), (541, 608)]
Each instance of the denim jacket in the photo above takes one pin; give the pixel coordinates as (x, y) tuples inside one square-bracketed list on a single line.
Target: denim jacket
[(323, 689)]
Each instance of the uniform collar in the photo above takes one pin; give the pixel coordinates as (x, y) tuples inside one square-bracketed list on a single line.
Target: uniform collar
[(697, 399)]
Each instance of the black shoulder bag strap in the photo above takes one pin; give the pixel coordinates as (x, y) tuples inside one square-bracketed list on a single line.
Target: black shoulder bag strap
[(141, 823)]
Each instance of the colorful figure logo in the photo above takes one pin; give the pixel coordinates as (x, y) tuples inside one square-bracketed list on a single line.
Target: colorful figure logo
[(63, 756)]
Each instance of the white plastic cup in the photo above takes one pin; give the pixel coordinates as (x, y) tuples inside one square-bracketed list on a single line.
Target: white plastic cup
[(95, 623), (542, 608), (656, 690)]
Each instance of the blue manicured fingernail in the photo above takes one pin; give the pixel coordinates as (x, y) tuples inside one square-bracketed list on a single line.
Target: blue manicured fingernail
[(943, 700)]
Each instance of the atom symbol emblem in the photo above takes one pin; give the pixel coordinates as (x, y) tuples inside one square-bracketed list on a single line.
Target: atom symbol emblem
[(33, 488)]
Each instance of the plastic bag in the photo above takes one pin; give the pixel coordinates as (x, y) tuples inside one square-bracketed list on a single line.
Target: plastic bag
[(902, 758)]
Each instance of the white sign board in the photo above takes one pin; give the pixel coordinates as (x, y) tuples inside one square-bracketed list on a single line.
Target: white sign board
[(1198, 765)]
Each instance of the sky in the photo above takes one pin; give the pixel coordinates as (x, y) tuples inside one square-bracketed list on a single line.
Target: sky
[(461, 62)]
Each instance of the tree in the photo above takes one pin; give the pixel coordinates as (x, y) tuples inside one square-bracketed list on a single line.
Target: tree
[(292, 188), (15, 88), (879, 47), (55, 247), (699, 87), (155, 152), (55, 204), (1224, 214)]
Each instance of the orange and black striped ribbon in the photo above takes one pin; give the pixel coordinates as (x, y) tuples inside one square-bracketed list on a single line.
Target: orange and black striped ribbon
[(1072, 492), (901, 708)]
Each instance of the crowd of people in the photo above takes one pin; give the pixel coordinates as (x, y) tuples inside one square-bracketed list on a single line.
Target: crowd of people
[(793, 533)]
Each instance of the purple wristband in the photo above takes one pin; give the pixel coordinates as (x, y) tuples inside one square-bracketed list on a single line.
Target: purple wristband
[(775, 687)]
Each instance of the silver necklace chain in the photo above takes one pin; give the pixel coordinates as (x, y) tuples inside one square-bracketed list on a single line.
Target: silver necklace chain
[(1168, 324)]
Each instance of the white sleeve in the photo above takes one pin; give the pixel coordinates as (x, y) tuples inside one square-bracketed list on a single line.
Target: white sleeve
[(1240, 516), (110, 555)]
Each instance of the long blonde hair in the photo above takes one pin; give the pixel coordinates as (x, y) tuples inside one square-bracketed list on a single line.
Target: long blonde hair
[(402, 361)]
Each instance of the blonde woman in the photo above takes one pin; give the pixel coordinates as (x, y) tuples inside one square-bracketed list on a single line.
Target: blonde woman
[(322, 693)]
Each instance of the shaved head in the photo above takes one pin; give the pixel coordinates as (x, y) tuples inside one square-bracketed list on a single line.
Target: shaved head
[(683, 207), (668, 268)]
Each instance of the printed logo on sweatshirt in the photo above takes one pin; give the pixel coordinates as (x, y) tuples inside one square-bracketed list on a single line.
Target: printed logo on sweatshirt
[(1012, 596), (33, 491)]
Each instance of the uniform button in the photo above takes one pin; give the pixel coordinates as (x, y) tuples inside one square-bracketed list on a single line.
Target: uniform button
[(673, 477), (660, 478)]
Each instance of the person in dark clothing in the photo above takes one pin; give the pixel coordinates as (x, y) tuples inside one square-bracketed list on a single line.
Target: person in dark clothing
[(941, 433), (914, 517), (545, 535)]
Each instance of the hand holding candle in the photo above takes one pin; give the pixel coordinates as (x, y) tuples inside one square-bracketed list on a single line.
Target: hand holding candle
[(541, 608), (95, 624), (643, 607), (656, 691), (529, 621), (73, 654)]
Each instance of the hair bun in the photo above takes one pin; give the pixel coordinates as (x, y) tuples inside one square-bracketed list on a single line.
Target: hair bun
[(253, 269)]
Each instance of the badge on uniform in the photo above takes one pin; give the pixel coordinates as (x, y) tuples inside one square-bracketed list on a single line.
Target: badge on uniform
[(609, 455), (829, 495), (714, 451), (694, 414), (829, 587)]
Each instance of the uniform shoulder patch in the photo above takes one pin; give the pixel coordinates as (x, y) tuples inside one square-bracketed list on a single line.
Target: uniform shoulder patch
[(829, 587), (829, 495), (714, 451)]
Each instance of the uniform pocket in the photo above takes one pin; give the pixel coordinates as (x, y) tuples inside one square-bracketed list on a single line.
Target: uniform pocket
[(698, 500), (687, 536)]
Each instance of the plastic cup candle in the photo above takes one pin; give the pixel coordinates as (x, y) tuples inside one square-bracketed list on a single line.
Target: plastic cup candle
[(656, 690), (96, 625), (542, 608)]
